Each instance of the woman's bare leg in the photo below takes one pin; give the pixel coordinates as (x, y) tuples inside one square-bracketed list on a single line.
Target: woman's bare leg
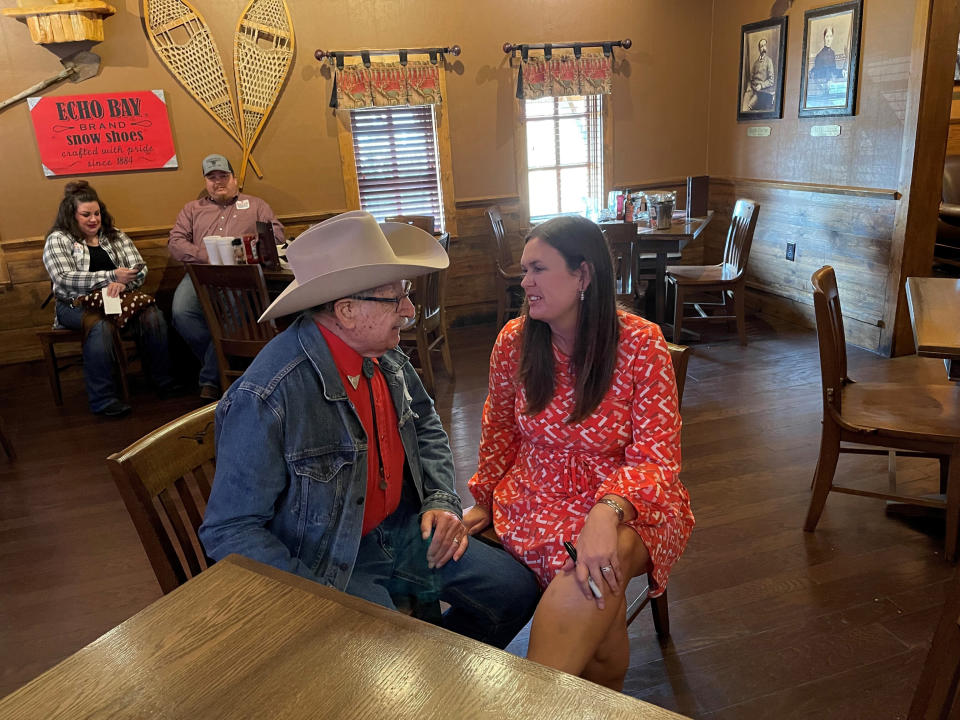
[(571, 634)]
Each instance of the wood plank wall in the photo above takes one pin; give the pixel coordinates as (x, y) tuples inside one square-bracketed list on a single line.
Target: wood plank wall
[(848, 228), (27, 284), (471, 289)]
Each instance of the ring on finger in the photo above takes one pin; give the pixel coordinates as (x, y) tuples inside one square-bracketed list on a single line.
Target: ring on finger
[(456, 541), (606, 568)]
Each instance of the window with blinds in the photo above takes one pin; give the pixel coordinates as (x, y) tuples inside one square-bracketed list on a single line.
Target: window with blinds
[(397, 165), (564, 155)]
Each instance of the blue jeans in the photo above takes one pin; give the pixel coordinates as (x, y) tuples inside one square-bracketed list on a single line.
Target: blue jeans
[(189, 321), (148, 329), (491, 595)]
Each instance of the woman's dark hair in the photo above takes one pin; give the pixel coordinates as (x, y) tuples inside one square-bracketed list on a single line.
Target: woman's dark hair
[(75, 194), (598, 329)]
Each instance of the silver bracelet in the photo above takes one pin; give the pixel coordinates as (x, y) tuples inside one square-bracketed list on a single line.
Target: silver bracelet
[(615, 505)]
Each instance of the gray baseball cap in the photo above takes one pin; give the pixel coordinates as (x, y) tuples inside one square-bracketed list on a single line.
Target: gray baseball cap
[(213, 163)]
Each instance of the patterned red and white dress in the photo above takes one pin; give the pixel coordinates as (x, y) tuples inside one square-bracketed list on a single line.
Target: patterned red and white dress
[(541, 475)]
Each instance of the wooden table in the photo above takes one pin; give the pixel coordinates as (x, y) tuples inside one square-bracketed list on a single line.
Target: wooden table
[(662, 243), (935, 315), (246, 640)]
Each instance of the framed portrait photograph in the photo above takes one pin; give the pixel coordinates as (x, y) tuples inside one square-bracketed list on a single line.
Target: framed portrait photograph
[(831, 54), (763, 49)]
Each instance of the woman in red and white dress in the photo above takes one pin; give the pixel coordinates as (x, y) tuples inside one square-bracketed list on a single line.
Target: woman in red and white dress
[(581, 443)]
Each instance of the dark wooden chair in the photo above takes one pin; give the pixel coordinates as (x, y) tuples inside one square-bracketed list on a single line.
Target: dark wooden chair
[(233, 297), (728, 278), (508, 275), (164, 479), (424, 222), (621, 239), (937, 696), (914, 420), (5, 442), (429, 330), (638, 592), (50, 339)]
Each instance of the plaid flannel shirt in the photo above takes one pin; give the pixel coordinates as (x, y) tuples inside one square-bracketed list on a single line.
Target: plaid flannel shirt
[(66, 260)]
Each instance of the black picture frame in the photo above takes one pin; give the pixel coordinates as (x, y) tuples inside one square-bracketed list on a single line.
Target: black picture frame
[(760, 96), (831, 60)]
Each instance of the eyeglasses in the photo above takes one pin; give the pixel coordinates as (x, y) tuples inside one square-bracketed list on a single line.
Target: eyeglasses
[(407, 289)]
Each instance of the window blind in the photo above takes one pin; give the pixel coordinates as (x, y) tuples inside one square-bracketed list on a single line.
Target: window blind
[(397, 165), (564, 155)]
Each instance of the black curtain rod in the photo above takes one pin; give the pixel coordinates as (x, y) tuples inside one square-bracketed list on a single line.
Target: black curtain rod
[(334, 54), (511, 47)]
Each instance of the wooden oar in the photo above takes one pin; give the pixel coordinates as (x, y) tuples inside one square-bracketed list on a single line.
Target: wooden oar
[(195, 62), (260, 71)]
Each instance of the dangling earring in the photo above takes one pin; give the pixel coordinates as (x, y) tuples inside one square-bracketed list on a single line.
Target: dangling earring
[(582, 295)]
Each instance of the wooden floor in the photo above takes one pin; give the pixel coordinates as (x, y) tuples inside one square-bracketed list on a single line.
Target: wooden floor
[(767, 621)]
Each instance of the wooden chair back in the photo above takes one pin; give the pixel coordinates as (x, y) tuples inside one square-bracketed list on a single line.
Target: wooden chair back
[(233, 297), (424, 222), (164, 479), (680, 357), (830, 335), (504, 255), (429, 329), (736, 250), (621, 240)]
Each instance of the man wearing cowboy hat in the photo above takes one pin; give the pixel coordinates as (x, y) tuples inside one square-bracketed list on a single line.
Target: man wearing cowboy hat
[(331, 460), (223, 211)]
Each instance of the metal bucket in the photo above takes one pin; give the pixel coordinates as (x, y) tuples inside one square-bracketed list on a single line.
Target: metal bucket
[(660, 205)]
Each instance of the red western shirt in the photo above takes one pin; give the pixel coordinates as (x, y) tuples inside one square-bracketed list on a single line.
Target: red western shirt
[(380, 501)]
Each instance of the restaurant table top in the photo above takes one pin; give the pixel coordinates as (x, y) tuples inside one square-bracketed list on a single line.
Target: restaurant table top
[(243, 639), (934, 305)]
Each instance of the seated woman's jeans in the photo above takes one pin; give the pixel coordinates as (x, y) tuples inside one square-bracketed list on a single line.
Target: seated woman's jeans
[(149, 331)]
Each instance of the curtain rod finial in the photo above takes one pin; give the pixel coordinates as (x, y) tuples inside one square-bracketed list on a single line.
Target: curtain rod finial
[(508, 47), (455, 50), (320, 55), (626, 44)]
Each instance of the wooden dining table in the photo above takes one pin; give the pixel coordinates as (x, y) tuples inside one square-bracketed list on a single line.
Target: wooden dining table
[(934, 305), (662, 243), (243, 639)]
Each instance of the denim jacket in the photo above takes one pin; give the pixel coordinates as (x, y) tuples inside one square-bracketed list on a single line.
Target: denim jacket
[(292, 459)]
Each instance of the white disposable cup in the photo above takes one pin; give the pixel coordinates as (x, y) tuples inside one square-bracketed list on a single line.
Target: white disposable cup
[(226, 251), (213, 248)]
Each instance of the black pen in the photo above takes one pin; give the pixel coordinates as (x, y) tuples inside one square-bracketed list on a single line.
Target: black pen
[(572, 552)]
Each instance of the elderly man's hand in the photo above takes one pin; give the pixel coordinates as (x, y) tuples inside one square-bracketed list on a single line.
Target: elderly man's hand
[(450, 537)]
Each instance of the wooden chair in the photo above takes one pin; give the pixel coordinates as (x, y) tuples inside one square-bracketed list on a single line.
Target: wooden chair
[(233, 297), (915, 420), (5, 442), (164, 479), (424, 222), (49, 339), (429, 330), (680, 356), (728, 278), (937, 696), (621, 239), (508, 275)]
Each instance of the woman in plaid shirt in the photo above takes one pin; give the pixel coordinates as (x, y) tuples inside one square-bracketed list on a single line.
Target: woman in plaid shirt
[(83, 254)]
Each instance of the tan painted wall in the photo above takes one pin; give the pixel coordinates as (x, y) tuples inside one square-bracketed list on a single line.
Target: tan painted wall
[(659, 93)]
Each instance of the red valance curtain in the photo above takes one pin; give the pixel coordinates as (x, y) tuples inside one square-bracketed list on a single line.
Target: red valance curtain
[(411, 83), (561, 75)]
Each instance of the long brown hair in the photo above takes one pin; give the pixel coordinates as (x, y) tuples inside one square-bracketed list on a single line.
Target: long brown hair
[(598, 329), (75, 194)]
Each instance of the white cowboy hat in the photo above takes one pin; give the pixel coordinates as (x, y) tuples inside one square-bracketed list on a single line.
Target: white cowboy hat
[(349, 253)]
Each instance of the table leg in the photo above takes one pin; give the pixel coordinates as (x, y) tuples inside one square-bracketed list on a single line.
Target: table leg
[(661, 285)]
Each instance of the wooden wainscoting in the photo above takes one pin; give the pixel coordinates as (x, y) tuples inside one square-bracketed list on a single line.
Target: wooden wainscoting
[(848, 228), (26, 282)]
